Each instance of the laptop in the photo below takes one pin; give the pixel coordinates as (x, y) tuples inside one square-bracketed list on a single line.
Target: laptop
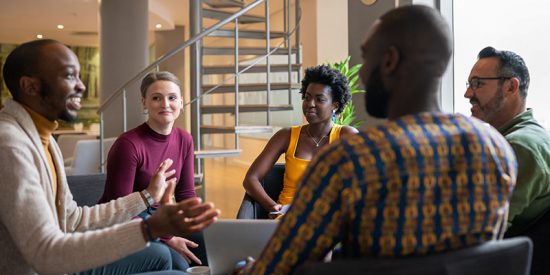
[(230, 241)]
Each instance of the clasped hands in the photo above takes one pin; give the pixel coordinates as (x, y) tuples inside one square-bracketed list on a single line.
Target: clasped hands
[(181, 218)]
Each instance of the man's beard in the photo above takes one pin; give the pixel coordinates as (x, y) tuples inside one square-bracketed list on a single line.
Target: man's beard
[(48, 95), (492, 109), (377, 98), (66, 116)]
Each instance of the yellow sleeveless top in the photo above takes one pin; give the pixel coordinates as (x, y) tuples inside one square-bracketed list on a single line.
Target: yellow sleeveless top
[(295, 167)]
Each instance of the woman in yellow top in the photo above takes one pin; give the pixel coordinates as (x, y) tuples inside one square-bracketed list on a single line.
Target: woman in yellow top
[(325, 93)]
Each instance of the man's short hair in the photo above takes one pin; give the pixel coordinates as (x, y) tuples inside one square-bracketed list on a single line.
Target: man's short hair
[(24, 60), (510, 64)]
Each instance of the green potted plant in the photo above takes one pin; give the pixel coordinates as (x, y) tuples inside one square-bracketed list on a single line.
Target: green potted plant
[(347, 117)]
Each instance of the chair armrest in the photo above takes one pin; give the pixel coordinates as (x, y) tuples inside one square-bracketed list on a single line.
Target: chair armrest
[(68, 161), (247, 209)]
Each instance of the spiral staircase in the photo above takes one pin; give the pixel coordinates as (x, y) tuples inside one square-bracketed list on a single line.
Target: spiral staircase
[(245, 68)]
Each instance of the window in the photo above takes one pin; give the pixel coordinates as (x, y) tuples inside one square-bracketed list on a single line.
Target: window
[(518, 26)]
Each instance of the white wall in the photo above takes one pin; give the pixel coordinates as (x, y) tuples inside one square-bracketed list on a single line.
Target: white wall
[(332, 31), (324, 31)]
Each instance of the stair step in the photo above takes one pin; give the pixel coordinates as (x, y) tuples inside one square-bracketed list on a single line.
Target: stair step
[(230, 88), (242, 129), (217, 109), (220, 15), (255, 69), (244, 51), (224, 3), (247, 34), (202, 154)]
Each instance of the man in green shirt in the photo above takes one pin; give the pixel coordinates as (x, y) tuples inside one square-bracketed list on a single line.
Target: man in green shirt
[(497, 89)]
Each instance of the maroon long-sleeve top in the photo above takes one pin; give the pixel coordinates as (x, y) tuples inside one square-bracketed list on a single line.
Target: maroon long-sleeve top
[(136, 155)]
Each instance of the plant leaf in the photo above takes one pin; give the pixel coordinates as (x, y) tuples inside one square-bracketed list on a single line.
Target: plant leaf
[(347, 117)]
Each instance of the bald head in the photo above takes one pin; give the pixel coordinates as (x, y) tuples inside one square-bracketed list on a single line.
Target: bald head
[(420, 34), (25, 60), (405, 54)]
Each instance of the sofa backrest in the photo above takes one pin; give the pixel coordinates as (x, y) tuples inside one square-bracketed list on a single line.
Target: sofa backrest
[(86, 189)]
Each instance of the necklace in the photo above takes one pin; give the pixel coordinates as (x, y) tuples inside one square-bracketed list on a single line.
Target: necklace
[(317, 143)]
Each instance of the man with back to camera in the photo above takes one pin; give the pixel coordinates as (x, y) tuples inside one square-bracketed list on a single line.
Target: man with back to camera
[(497, 89), (421, 183), (41, 228)]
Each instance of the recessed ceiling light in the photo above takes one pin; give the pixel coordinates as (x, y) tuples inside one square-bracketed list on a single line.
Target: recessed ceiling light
[(60, 27), (39, 36), (158, 26)]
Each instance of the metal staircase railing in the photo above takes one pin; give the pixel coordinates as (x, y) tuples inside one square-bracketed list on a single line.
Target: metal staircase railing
[(200, 91), (237, 88)]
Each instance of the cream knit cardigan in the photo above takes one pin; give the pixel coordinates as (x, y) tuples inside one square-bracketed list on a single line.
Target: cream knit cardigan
[(39, 234)]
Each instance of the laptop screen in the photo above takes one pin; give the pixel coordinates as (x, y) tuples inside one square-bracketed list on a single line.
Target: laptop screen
[(230, 241)]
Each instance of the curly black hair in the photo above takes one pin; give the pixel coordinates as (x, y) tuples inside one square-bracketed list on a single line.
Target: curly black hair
[(337, 82)]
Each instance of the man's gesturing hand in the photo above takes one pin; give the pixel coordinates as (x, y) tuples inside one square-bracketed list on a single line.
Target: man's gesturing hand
[(182, 218)]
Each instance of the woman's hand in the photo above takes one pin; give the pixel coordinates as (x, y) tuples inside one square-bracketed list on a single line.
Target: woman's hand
[(274, 211), (181, 245), (160, 180)]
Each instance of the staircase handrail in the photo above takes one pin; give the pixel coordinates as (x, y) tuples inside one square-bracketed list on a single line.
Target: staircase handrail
[(176, 50), (186, 44), (252, 64)]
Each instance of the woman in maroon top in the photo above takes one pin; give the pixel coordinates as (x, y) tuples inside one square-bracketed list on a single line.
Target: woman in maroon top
[(134, 156)]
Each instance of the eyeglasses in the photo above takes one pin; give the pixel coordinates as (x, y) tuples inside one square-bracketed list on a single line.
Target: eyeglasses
[(475, 82)]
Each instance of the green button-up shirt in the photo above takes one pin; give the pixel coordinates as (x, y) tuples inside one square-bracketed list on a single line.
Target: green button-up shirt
[(531, 196)]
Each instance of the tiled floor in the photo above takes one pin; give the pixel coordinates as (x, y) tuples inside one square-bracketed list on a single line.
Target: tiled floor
[(223, 182)]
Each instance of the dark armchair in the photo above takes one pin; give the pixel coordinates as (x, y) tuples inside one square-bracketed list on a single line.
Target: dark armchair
[(539, 233), (273, 185), (506, 257), (86, 189)]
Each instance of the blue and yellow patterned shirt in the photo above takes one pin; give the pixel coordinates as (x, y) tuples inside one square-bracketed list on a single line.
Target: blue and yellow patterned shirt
[(423, 183)]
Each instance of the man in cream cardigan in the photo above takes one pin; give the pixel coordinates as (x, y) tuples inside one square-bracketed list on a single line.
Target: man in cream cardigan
[(42, 230)]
